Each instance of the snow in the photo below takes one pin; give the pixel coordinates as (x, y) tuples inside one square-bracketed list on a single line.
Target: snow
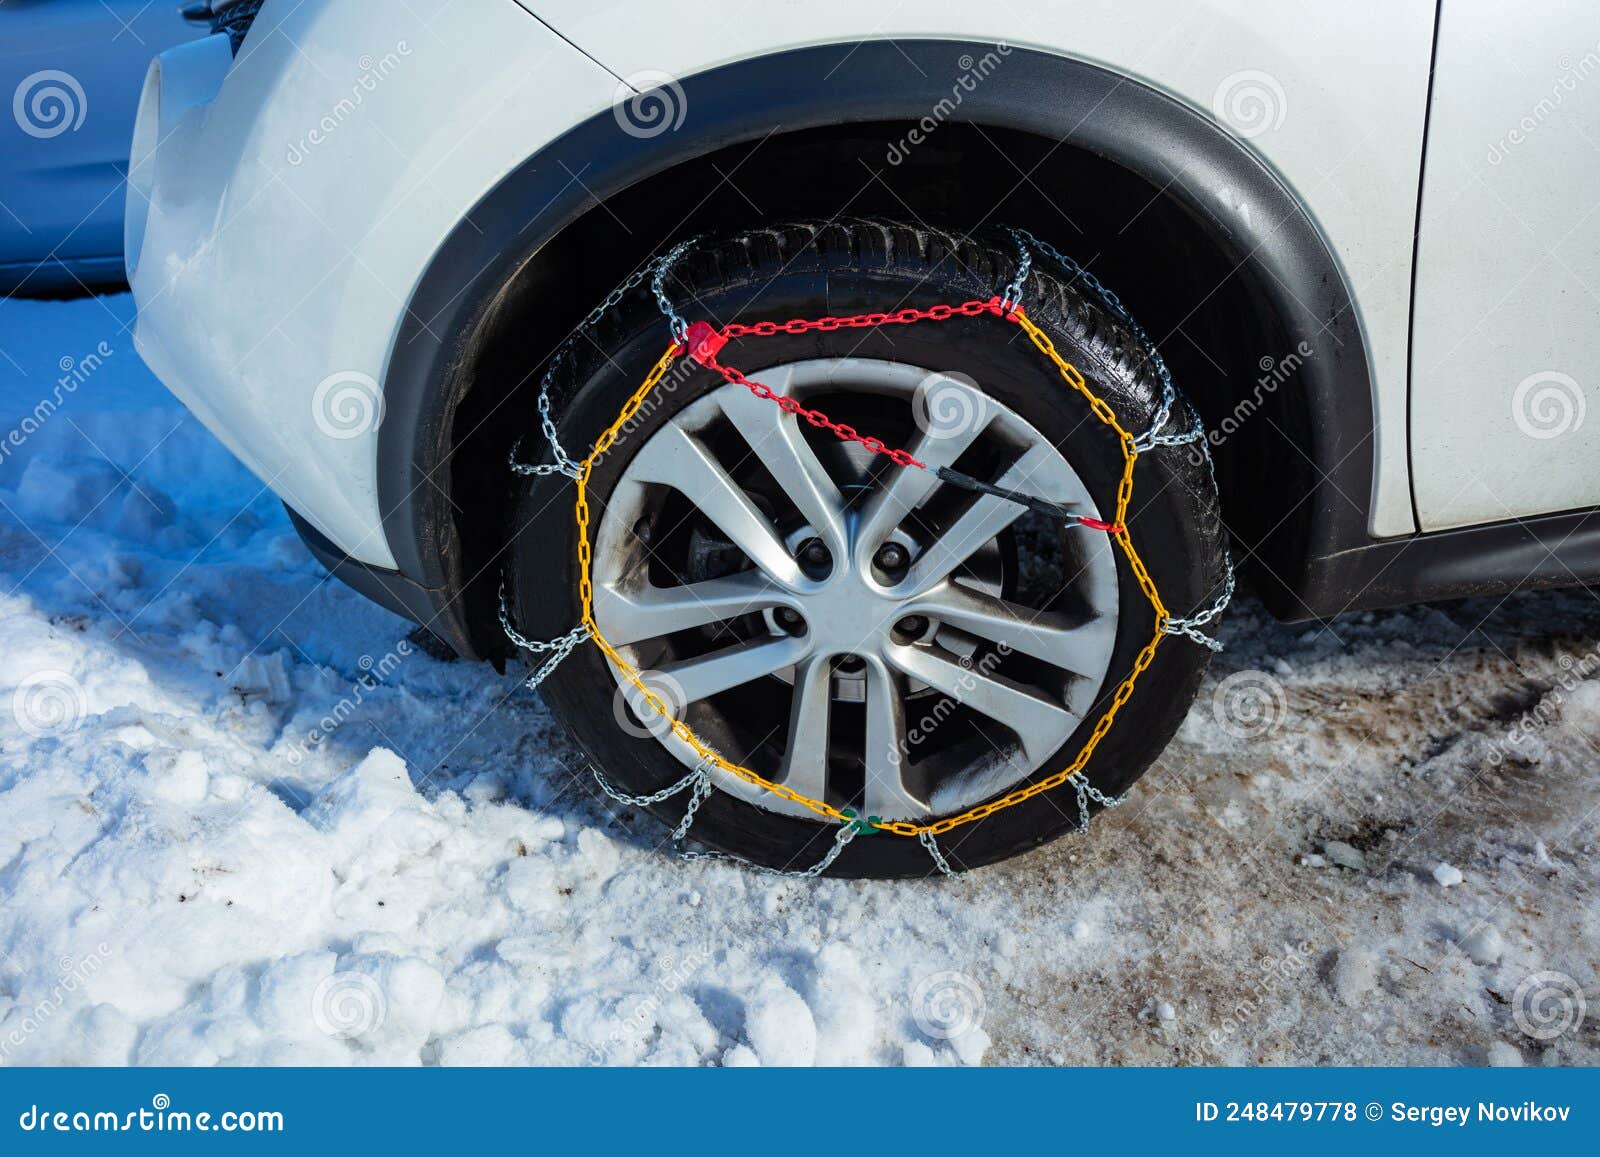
[(1447, 875), (1341, 853), (1484, 944), (243, 821)]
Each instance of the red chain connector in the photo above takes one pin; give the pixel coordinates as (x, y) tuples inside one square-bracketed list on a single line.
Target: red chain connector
[(703, 341)]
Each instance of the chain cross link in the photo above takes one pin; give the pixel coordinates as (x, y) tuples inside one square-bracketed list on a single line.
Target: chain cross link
[(1189, 627)]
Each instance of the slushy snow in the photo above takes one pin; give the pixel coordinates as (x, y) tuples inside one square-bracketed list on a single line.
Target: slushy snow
[(243, 821)]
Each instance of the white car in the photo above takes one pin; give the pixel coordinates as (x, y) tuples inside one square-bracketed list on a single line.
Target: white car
[(366, 239)]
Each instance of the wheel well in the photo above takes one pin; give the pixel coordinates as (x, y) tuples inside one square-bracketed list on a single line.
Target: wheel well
[(1215, 325)]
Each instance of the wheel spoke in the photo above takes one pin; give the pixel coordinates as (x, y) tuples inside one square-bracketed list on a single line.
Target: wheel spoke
[(1040, 725), (805, 756), (695, 679), (775, 437), (903, 489), (886, 758), (674, 458), (757, 478), (982, 521), (633, 615), (1052, 637)]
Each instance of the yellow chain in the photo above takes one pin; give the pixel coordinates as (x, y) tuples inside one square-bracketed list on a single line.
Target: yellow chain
[(632, 676)]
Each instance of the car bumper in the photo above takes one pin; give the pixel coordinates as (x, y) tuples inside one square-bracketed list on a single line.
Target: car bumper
[(284, 204)]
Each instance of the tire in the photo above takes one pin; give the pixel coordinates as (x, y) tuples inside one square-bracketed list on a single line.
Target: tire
[(806, 270)]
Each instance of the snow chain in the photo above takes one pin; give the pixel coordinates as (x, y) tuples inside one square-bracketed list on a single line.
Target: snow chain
[(702, 342)]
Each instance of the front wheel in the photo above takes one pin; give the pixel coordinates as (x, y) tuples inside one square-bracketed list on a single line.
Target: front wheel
[(863, 633)]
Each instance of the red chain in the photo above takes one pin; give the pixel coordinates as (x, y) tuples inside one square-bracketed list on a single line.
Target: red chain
[(868, 320), (703, 342)]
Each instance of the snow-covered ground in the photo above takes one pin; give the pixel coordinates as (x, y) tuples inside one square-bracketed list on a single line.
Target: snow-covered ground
[(1372, 842)]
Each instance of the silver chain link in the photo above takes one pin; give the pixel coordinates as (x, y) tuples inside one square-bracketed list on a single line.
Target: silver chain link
[(928, 841), (556, 649), (700, 773), (658, 286), (1152, 437), (846, 833), (656, 269), (698, 783), (1086, 792)]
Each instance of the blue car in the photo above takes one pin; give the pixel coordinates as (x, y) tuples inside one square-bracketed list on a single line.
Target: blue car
[(70, 74)]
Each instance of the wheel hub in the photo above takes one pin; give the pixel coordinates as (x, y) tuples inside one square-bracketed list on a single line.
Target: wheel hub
[(860, 650)]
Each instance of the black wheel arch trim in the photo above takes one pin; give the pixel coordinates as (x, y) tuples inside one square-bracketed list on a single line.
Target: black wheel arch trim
[(1225, 184)]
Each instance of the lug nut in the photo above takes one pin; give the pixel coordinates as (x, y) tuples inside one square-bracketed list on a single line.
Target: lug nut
[(790, 620), (849, 664), (815, 558), (912, 626), (891, 557)]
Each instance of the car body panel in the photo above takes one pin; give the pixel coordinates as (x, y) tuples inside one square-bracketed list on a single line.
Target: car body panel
[(290, 217), (298, 213), (1506, 347), (1333, 96)]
